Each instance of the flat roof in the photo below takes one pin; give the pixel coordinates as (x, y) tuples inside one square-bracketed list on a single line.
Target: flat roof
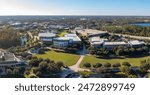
[(136, 42), (95, 39), (115, 43), (61, 38), (90, 31), (9, 58), (68, 37), (47, 34)]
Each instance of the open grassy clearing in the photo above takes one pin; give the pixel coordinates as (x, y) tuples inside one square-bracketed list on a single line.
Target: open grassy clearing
[(68, 59)]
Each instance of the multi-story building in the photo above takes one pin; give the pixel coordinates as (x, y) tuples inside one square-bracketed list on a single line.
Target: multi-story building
[(111, 45), (8, 60), (136, 43), (67, 40), (47, 37), (97, 42)]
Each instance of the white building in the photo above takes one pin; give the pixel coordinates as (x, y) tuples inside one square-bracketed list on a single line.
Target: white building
[(67, 40), (111, 45), (61, 42), (97, 41), (136, 43), (46, 37)]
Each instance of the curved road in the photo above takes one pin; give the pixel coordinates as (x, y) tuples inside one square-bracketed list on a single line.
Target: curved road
[(131, 36)]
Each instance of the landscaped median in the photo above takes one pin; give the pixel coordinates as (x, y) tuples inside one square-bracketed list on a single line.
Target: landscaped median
[(67, 58), (93, 60)]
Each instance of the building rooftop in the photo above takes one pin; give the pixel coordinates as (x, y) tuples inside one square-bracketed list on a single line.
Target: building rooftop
[(87, 32), (136, 42), (115, 43), (47, 34), (68, 37), (61, 39), (97, 40), (8, 57), (74, 37)]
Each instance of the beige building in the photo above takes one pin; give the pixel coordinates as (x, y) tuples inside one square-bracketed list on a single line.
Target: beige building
[(91, 32)]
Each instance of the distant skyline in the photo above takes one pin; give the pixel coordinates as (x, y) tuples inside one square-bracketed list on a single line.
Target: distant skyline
[(75, 7)]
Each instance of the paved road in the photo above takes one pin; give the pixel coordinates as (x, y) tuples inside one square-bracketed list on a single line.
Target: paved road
[(136, 37), (76, 67)]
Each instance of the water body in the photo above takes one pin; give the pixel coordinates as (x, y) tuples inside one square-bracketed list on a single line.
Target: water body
[(142, 24)]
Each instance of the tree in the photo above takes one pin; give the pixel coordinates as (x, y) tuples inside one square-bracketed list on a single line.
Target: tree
[(9, 38), (60, 64), (145, 49), (87, 65), (139, 50), (16, 71), (33, 76), (9, 72), (132, 76), (43, 67), (107, 65), (126, 70), (39, 74), (119, 52), (126, 64), (143, 69), (47, 60), (40, 60), (34, 62), (117, 65), (97, 65), (101, 70), (35, 70), (41, 51), (85, 74)]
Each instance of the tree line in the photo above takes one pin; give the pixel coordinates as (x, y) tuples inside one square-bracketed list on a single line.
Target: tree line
[(118, 51), (9, 38), (129, 30)]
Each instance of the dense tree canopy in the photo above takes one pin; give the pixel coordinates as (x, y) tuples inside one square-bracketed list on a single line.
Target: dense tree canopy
[(129, 30), (9, 38)]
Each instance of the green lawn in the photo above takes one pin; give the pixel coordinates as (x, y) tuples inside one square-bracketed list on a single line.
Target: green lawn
[(68, 59), (133, 61)]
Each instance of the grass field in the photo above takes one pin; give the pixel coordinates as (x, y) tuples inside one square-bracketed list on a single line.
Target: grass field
[(133, 61), (68, 59)]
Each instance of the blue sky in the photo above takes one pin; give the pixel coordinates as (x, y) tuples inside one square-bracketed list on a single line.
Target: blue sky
[(75, 7)]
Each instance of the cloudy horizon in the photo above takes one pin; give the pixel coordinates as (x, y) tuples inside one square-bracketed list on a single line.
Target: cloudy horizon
[(75, 7)]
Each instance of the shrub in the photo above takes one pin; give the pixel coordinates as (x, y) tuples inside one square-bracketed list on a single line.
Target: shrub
[(126, 64), (41, 51), (132, 76), (117, 65), (107, 65), (87, 65), (97, 65)]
